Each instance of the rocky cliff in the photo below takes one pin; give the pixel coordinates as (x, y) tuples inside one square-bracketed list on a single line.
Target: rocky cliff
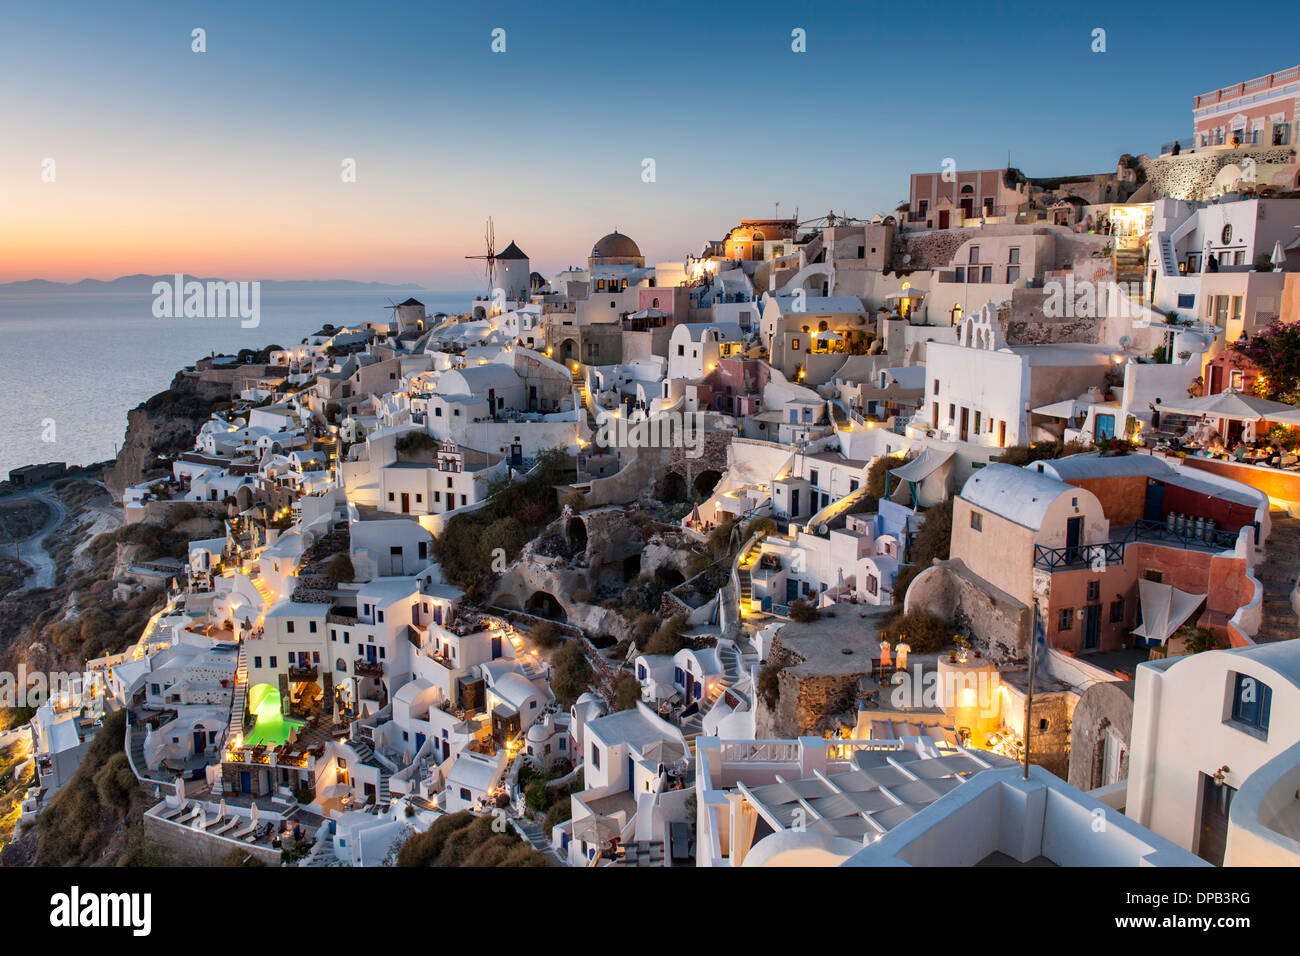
[(167, 422)]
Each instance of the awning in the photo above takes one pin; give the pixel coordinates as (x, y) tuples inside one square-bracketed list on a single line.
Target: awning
[(1070, 408), (1164, 609), (1234, 406), (923, 465)]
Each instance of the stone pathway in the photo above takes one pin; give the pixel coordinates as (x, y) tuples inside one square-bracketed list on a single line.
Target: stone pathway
[(1278, 571)]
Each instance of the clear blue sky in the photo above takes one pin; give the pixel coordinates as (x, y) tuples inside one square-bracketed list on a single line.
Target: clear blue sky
[(229, 161)]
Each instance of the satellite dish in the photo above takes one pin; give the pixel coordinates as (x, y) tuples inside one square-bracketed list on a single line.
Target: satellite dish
[(907, 258)]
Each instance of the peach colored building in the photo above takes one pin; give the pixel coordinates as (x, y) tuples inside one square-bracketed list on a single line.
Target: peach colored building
[(1259, 112), (944, 203), (1074, 536)]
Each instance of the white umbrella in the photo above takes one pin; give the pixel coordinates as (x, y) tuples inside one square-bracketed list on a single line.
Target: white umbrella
[(200, 820), (221, 809), (1235, 406), (1279, 256), (254, 814)]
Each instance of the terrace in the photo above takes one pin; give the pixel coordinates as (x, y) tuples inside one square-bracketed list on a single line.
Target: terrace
[(1176, 531)]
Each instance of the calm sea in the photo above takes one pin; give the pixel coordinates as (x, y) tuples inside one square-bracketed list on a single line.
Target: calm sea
[(73, 363)]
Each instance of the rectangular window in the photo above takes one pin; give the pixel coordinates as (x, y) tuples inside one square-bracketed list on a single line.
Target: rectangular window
[(1013, 274), (311, 626), (595, 757), (1251, 701), (288, 626), (1094, 590), (974, 255), (986, 274), (936, 386), (976, 521), (273, 664), (1013, 255), (961, 274), (952, 413), (1065, 620)]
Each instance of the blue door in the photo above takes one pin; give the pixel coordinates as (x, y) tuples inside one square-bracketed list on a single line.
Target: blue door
[(245, 782), (1154, 509), (1105, 427), (791, 591), (1091, 626), (370, 653), (1073, 534), (200, 742), (496, 646), (794, 503), (419, 742)]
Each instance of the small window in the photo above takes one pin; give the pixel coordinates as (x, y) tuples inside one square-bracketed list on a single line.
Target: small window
[(1065, 620), (936, 386), (1094, 590), (974, 255), (288, 626), (976, 521), (1252, 700), (1013, 255)]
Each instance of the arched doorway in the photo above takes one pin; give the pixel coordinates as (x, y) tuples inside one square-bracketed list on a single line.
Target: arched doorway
[(576, 533), (705, 482), (672, 488), (544, 604)]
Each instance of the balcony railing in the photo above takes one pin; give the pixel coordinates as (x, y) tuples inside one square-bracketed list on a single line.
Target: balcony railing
[(365, 668), (1186, 537), (1101, 556), (1096, 556)]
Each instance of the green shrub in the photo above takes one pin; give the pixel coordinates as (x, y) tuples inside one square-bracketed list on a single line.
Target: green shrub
[(626, 692), (924, 633), (546, 635), (803, 612), (570, 672)]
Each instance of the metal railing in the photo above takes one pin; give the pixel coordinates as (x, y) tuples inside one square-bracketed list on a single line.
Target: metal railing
[(1096, 556)]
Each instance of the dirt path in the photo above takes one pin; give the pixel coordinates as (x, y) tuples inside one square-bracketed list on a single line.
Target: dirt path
[(32, 548)]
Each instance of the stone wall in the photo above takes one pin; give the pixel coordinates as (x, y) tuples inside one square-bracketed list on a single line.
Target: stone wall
[(1049, 745), (995, 621), (1103, 707), (804, 704), (194, 848), (1191, 175)]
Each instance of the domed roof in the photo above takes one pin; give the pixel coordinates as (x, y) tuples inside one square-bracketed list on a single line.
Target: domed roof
[(615, 246)]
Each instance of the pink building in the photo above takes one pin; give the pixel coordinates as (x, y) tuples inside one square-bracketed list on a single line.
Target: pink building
[(1259, 112), (944, 203)]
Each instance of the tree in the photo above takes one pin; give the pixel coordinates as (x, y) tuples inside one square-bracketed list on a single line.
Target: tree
[(931, 544), (546, 635), (1276, 352), (803, 611), (338, 569), (879, 469), (626, 692), (570, 672), (668, 639)]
